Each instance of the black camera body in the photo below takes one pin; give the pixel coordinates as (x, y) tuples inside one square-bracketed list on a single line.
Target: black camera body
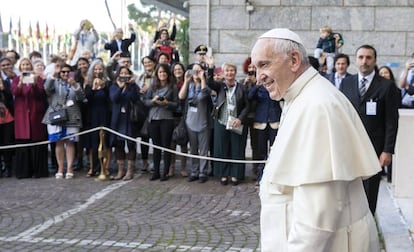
[(124, 78), (161, 98), (251, 73), (165, 42), (192, 102)]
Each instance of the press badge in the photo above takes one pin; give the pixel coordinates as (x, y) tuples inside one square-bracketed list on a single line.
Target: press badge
[(193, 109), (123, 110), (69, 103), (371, 108)]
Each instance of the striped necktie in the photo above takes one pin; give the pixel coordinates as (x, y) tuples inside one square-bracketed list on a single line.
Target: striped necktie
[(362, 87)]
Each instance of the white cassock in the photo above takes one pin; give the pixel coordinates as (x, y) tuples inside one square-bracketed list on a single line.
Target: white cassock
[(312, 197)]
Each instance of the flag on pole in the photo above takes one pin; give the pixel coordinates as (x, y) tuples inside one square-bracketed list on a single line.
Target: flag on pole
[(19, 29), (10, 42), (47, 34), (38, 36), (10, 27), (30, 30), (1, 25)]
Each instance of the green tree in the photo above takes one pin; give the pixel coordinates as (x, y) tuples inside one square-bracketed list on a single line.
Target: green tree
[(183, 40), (146, 20)]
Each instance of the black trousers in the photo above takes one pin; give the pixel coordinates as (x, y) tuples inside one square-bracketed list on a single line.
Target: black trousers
[(371, 187), (161, 135)]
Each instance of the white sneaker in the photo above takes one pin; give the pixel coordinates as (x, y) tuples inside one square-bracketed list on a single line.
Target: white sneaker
[(59, 175), (69, 175)]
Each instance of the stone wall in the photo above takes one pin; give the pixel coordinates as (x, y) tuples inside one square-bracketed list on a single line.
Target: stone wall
[(231, 31)]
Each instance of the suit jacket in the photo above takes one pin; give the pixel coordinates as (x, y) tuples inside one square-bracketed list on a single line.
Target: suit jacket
[(331, 77), (382, 127), (125, 43)]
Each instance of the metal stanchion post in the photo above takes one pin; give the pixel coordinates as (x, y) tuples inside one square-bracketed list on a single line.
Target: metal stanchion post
[(102, 156)]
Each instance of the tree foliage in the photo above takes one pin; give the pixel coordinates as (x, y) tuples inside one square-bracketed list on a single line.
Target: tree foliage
[(146, 20)]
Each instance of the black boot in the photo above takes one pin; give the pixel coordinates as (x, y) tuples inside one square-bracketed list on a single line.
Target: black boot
[(155, 176)]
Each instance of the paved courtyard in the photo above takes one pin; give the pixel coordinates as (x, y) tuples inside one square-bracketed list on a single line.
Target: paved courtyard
[(139, 215)]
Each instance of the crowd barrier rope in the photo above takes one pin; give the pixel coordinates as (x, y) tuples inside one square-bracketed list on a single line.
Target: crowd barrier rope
[(138, 141)]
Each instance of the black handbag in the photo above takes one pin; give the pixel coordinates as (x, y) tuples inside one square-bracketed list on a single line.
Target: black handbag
[(138, 111), (180, 135), (58, 117)]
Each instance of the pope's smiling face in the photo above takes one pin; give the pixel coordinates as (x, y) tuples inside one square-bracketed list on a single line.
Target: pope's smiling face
[(273, 68)]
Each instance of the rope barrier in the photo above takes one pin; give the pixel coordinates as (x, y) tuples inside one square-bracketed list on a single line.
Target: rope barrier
[(138, 141)]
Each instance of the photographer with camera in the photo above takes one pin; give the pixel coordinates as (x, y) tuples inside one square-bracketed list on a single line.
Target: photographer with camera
[(161, 98), (85, 39), (198, 120), (97, 114), (406, 84), (121, 93), (165, 45), (29, 108)]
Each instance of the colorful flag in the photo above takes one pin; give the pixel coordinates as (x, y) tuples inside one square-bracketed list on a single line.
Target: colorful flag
[(47, 34), (10, 27), (38, 36), (30, 30), (19, 29)]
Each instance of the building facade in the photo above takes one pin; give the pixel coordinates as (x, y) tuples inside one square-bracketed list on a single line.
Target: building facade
[(230, 27)]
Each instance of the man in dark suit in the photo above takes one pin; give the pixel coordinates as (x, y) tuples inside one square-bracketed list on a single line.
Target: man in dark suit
[(341, 64), (376, 99), (119, 44)]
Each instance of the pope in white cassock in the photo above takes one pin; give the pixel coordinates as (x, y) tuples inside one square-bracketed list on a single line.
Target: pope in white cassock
[(312, 197)]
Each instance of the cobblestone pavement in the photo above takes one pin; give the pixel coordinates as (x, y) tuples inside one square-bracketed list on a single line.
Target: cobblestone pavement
[(139, 215)]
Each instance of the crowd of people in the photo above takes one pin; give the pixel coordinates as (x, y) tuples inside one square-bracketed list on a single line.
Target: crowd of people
[(219, 111), (75, 92)]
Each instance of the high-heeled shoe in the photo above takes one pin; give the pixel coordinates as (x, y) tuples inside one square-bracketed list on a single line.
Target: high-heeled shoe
[(234, 182), (90, 173)]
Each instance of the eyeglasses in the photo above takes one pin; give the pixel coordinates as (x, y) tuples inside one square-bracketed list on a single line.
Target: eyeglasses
[(64, 72), (6, 65), (201, 54)]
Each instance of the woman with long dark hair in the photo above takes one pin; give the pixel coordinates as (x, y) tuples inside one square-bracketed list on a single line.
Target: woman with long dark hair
[(161, 98)]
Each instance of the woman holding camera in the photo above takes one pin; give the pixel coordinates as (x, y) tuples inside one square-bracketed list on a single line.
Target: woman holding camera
[(197, 113), (65, 94), (29, 107), (122, 93), (161, 98), (97, 95)]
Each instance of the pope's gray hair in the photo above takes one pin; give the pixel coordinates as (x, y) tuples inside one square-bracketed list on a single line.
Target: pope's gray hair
[(288, 46)]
